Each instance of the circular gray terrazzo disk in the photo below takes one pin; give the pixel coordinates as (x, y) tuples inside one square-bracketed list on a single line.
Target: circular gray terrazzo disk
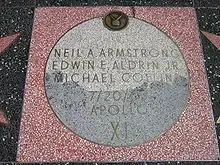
[(117, 88)]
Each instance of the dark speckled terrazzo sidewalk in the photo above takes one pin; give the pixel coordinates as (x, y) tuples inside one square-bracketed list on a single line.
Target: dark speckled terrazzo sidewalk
[(17, 17)]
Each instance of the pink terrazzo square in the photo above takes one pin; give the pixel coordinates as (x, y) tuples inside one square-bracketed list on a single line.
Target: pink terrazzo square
[(43, 138)]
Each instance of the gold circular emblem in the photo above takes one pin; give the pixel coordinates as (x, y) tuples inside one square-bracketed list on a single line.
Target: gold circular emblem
[(115, 20)]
